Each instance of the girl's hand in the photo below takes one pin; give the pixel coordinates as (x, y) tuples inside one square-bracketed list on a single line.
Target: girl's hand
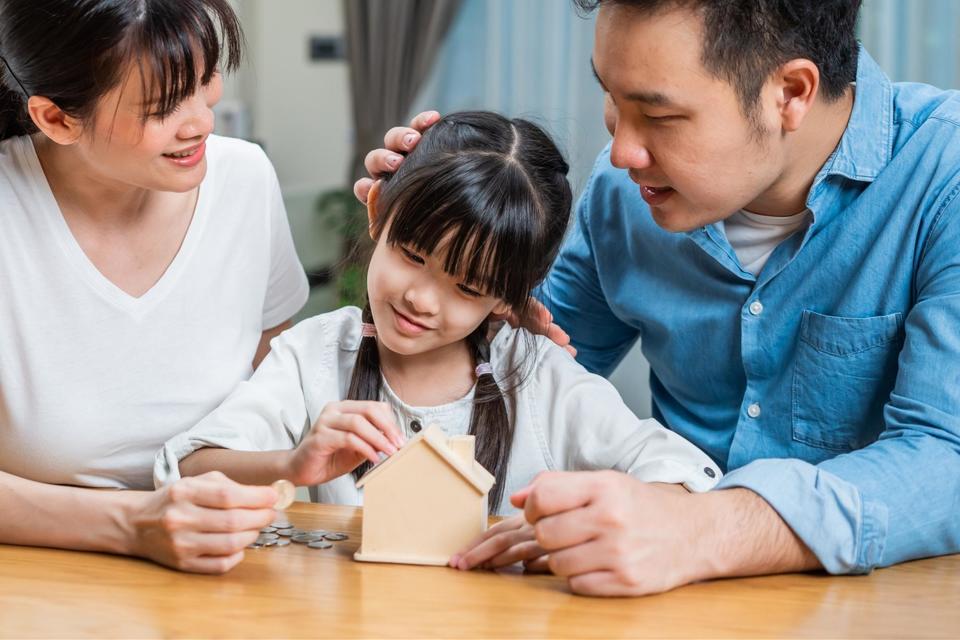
[(398, 142), (509, 541), (345, 434), (200, 524)]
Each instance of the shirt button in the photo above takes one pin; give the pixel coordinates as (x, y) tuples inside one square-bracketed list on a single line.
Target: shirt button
[(415, 426), (710, 472), (756, 308), (753, 410)]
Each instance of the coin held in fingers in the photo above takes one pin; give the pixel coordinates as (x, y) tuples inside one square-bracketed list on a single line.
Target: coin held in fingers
[(286, 492)]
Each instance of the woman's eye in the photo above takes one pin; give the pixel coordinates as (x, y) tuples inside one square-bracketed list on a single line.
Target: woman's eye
[(409, 255), (470, 292)]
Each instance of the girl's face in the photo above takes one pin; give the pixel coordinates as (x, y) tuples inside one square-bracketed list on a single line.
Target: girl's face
[(162, 154), (417, 306)]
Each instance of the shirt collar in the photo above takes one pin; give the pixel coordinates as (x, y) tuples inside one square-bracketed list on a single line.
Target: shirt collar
[(867, 143)]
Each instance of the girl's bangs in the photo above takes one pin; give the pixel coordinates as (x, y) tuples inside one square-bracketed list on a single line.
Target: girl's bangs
[(483, 233)]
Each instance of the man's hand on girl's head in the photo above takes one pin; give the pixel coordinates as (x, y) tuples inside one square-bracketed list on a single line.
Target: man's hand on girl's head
[(537, 319), (397, 143)]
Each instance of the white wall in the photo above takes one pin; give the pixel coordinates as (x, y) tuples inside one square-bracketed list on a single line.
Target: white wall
[(299, 109)]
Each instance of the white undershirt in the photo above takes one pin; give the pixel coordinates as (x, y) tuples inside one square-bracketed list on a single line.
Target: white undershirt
[(754, 237), (93, 380)]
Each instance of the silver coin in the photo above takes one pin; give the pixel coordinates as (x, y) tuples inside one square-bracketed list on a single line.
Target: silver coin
[(304, 538), (269, 536), (254, 546), (319, 544), (317, 532), (282, 542), (268, 543), (281, 524), (336, 537), (270, 529), (286, 492), (286, 533)]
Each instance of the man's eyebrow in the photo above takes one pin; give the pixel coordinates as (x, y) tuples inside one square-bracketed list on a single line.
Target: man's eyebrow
[(652, 98)]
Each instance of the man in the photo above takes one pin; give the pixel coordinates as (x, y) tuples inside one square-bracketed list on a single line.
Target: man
[(781, 226)]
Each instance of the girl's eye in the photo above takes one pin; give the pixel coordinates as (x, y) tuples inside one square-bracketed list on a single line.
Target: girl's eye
[(470, 292), (409, 255)]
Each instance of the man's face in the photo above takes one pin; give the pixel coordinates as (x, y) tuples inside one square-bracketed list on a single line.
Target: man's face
[(679, 131)]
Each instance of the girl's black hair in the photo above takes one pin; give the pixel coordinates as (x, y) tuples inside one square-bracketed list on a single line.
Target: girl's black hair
[(490, 194), (75, 51)]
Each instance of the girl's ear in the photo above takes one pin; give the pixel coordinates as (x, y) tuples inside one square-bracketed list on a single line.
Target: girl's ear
[(372, 199), (501, 309)]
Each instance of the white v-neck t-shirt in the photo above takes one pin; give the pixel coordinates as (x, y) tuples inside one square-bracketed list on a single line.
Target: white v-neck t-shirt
[(92, 380)]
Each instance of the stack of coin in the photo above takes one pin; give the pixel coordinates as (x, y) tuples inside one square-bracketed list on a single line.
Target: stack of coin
[(281, 533)]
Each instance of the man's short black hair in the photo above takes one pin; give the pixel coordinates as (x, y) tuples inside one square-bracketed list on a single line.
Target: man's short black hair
[(746, 40)]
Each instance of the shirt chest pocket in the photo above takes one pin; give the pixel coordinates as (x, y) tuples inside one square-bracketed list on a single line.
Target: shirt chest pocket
[(844, 371)]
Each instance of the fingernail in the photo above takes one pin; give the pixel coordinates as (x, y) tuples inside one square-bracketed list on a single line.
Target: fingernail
[(408, 139), (393, 161)]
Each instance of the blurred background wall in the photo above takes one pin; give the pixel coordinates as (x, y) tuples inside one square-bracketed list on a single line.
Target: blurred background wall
[(526, 58)]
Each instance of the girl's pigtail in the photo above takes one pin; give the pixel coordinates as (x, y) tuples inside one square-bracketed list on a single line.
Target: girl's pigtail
[(365, 381), (489, 421)]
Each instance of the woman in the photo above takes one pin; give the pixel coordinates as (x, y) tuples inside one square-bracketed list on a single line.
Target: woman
[(144, 267)]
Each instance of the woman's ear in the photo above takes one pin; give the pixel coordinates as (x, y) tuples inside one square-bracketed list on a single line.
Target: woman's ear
[(53, 122), (372, 198)]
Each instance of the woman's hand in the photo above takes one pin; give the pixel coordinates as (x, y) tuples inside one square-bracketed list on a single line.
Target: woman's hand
[(345, 434), (507, 542), (200, 524), (398, 142)]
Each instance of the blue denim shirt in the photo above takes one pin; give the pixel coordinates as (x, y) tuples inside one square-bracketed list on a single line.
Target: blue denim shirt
[(837, 397)]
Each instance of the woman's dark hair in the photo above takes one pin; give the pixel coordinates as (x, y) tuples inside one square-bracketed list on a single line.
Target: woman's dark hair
[(490, 194), (75, 51)]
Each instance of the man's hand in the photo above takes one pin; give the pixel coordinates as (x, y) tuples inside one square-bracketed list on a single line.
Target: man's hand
[(612, 535), (398, 142), (509, 541), (538, 320)]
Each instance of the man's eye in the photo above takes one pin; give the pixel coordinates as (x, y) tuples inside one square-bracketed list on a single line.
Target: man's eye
[(660, 118), (470, 292), (412, 256)]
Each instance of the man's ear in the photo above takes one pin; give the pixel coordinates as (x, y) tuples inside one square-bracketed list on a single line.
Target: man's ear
[(372, 198), (798, 85), (53, 121)]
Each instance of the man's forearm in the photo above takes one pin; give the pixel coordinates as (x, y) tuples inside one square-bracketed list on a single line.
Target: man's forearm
[(742, 535)]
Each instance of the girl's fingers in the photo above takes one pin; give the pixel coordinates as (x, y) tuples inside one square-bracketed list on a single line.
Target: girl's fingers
[(359, 426), (379, 414)]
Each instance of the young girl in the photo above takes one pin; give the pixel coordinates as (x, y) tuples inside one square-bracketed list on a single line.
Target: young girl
[(467, 227)]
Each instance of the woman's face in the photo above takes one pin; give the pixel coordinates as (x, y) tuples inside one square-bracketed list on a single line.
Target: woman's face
[(162, 153)]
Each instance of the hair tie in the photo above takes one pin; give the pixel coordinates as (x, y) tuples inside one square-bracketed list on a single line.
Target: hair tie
[(369, 330), (484, 368), (14, 76)]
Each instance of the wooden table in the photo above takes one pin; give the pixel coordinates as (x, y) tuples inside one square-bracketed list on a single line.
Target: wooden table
[(298, 592)]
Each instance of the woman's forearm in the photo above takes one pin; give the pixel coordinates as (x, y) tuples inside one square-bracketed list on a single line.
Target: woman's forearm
[(46, 515), (245, 467)]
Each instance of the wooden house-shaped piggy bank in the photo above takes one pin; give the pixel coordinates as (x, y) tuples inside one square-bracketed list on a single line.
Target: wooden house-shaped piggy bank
[(425, 502)]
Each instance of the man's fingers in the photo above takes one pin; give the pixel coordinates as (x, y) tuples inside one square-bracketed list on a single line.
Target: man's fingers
[(424, 120), (581, 559), (361, 189), (596, 583), (220, 544), (401, 139), (540, 564), (493, 547), (381, 161), (559, 491), (523, 551), (233, 520)]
